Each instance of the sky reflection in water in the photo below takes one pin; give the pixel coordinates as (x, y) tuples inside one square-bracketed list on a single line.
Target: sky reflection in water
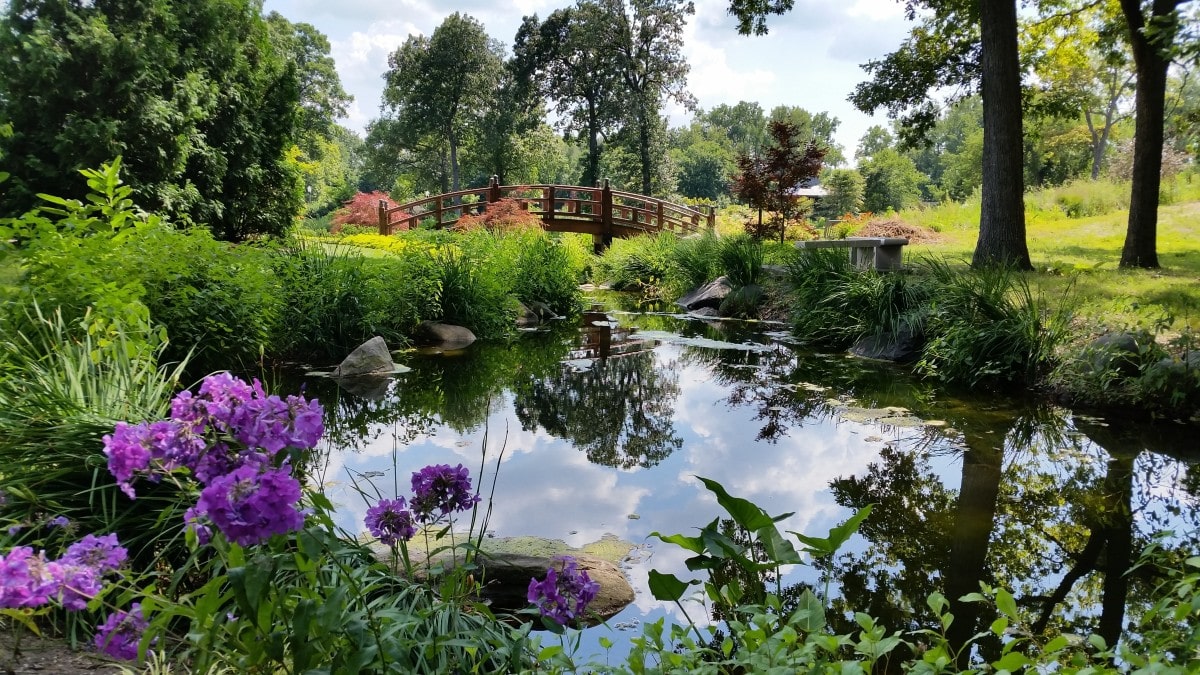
[(756, 421)]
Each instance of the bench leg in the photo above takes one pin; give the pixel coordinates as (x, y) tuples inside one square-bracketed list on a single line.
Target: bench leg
[(887, 258)]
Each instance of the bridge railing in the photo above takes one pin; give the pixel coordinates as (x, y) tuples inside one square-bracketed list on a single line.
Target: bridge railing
[(602, 211)]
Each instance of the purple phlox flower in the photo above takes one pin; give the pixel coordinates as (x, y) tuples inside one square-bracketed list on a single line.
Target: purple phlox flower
[(104, 554), (14, 529), (77, 584), (249, 506), (26, 579), (59, 521), (390, 521), (127, 453), (149, 448), (308, 422), (120, 633), (564, 594), (440, 487), (193, 520)]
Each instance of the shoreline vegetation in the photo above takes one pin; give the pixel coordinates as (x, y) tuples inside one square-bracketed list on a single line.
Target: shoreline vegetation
[(109, 312)]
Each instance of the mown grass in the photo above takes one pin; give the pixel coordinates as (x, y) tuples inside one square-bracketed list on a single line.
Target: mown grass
[(1082, 256)]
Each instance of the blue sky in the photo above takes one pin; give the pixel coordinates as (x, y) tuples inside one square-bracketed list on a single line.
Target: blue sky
[(811, 57)]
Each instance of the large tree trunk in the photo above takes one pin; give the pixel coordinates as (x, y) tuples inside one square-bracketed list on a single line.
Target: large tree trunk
[(1118, 555), (1141, 233), (1002, 220), (591, 174), (644, 150)]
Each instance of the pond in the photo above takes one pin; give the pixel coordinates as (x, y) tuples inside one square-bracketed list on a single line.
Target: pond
[(600, 428)]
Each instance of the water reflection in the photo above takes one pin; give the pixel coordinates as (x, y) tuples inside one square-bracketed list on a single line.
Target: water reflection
[(1012, 493)]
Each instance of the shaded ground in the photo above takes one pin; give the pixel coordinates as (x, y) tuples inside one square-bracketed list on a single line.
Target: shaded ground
[(48, 655)]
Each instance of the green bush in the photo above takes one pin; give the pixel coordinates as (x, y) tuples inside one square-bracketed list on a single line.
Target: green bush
[(546, 271), (741, 260)]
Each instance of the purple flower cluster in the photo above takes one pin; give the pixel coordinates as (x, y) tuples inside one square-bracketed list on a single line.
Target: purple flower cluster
[(438, 490), (391, 521), (564, 594), (229, 435), (120, 633), (441, 488), (28, 579)]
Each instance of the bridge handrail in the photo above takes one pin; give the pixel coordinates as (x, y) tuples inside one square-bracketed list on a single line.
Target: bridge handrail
[(600, 205)]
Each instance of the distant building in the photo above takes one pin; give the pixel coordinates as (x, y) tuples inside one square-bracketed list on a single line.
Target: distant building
[(810, 188)]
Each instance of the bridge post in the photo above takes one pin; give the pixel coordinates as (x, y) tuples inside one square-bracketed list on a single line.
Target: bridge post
[(712, 219), (493, 194), (383, 218), (603, 240)]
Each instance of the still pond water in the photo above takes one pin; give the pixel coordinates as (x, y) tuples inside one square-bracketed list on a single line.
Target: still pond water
[(601, 427)]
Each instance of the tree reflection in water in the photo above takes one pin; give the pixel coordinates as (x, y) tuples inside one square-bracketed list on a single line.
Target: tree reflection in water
[(614, 401)]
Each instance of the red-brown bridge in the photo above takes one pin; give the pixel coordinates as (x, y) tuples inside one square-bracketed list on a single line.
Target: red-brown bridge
[(601, 211)]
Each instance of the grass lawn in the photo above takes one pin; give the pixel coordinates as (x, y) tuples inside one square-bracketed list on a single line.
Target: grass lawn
[(1076, 259)]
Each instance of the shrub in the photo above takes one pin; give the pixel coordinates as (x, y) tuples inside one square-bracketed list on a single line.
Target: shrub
[(741, 260), (361, 209), (545, 272), (504, 215), (476, 286)]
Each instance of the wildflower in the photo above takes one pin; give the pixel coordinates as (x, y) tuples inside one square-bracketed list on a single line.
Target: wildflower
[(59, 521), (390, 521), (76, 584), (441, 487), (564, 594), (26, 580), (120, 633), (192, 519), (249, 507), (104, 554)]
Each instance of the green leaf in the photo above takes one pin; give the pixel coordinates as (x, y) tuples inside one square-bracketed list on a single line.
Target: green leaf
[(744, 512), (779, 550), (550, 652), (1006, 604), (667, 586), (839, 534), (1012, 661), (809, 615), (693, 544), (999, 626)]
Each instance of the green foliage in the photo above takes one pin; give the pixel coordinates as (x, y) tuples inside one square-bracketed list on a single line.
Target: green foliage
[(475, 285), (192, 94), (333, 301), (846, 190), (64, 382), (891, 181), (1080, 199), (547, 271), (986, 327), (741, 260)]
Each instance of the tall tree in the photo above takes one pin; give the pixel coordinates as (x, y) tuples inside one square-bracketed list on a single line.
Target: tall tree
[(744, 124), (819, 128), (193, 95), (1084, 64), (1151, 36), (567, 56), (1001, 239), (443, 84), (646, 42)]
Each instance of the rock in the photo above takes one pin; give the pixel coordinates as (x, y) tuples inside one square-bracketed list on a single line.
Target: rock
[(743, 303), (705, 313), (442, 335), (542, 310), (370, 387), (708, 295), (526, 317), (903, 346), (1121, 352), (775, 271), (370, 358), (506, 583)]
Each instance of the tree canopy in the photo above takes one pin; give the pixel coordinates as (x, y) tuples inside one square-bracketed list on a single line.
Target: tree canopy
[(193, 95)]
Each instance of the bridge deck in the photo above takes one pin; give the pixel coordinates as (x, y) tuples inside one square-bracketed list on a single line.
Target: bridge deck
[(600, 211)]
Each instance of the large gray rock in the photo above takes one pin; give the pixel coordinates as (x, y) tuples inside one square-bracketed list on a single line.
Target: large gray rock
[(708, 295), (370, 358), (442, 335), (526, 317), (1121, 352)]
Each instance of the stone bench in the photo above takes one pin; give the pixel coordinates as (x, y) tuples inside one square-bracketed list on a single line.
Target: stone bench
[(880, 253)]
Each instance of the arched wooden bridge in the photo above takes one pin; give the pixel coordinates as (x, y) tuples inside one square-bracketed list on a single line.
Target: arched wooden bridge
[(601, 211)]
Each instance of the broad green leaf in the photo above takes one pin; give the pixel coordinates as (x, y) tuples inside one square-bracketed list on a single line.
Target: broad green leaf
[(1006, 604), (839, 534), (667, 586), (809, 615), (693, 544), (779, 550), (1012, 662), (743, 511)]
